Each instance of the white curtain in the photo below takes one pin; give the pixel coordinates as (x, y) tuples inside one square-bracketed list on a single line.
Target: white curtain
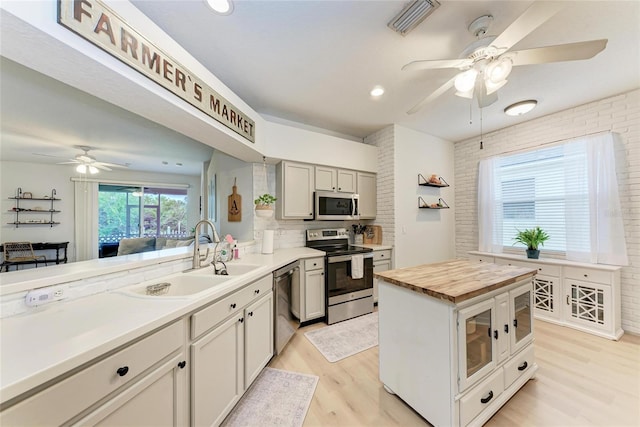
[(86, 220), (608, 245), (489, 209)]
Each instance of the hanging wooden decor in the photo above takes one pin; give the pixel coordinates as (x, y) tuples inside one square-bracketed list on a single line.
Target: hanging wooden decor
[(235, 204)]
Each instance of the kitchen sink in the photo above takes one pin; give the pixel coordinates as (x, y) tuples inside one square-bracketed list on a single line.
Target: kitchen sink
[(232, 269), (183, 285)]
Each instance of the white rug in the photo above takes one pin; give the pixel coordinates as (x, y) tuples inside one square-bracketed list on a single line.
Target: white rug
[(346, 338), (276, 398)]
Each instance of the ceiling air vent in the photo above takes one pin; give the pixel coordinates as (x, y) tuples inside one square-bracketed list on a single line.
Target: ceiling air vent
[(413, 14)]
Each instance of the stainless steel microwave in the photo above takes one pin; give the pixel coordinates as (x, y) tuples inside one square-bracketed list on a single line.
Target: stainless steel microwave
[(330, 205)]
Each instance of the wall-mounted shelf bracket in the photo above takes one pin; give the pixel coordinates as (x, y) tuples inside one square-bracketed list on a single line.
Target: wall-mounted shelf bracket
[(440, 205)]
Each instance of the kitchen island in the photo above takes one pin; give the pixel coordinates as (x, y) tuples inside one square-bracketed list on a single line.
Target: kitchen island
[(456, 338)]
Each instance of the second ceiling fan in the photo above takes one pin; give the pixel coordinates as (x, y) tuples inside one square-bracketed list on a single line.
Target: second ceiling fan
[(486, 63)]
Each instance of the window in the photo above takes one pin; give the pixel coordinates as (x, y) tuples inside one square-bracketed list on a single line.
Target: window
[(131, 211), (569, 190)]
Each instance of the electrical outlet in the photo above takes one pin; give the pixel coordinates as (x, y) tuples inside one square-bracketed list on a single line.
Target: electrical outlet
[(42, 296)]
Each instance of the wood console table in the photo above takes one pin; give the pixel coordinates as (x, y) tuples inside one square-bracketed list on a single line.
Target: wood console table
[(43, 247)]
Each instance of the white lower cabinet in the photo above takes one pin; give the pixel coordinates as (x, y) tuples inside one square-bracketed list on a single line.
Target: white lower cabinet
[(308, 296), (581, 296), (467, 361), (217, 372), (381, 262), (143, 383), (238, 344)]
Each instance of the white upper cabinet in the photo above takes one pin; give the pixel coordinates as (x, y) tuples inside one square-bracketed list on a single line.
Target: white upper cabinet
[(295, 185), (367, 189), (326, 178), (346, 181), (332, 179)]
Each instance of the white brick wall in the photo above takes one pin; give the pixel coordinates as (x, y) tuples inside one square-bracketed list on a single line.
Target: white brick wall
[(385, 141), (619, 114)]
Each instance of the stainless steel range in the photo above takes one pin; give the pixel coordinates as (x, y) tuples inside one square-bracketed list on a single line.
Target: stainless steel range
[(349, 274)]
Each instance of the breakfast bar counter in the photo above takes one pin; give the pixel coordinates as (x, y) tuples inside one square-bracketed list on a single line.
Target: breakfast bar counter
[(456, 338)]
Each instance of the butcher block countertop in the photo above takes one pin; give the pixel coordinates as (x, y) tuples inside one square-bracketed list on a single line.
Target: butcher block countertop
[(456, 280)]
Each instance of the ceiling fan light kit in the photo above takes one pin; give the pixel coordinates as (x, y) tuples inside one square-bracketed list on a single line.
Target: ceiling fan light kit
[(412, 15), (520, 108)]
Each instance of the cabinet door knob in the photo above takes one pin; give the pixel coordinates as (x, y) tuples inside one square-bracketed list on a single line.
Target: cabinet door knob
[(381, 255), (241, 320), (488, 398), (257, 291), (251, 313), (506, 329), (523, 366), (515, 323), (182, 364), (586, 275), (339, 188), (233, 305), (495, 334), (122, 371)]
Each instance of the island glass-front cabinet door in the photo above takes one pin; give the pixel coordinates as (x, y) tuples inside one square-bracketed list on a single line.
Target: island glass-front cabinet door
[(476, 345), (521, 327)]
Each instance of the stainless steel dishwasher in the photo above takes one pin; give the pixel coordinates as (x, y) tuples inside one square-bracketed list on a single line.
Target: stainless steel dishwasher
[(285, 324)]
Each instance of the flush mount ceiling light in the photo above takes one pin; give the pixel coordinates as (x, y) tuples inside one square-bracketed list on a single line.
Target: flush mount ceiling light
[(222, 7), (412, 15), (520, 108), (377, 91)]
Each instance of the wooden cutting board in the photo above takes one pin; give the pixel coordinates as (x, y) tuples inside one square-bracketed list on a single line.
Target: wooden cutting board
[(373, 235), (235, 205)]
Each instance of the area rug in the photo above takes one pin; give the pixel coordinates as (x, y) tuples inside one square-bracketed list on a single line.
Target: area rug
[(276, 398), (346, 338)]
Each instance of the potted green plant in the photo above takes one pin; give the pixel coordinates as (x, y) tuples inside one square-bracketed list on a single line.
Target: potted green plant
[(264, 204), (532, 238)]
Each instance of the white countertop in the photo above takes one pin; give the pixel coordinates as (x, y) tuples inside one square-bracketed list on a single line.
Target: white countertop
[(375, 247), (43, 344)]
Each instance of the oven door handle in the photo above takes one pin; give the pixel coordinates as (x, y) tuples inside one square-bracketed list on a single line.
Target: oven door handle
[(343, 258)]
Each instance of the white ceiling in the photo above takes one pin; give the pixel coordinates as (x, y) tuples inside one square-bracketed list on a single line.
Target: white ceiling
[(314, 63)]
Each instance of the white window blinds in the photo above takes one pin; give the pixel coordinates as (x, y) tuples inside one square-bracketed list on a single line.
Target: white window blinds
[(568, 190)]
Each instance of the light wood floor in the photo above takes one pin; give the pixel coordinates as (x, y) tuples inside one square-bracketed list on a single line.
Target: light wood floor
[(583, 380)]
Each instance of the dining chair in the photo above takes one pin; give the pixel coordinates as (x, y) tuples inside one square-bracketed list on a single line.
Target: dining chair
[(16, 253)]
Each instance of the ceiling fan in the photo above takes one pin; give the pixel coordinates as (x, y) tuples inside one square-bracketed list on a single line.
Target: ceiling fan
[(87, 163), (486, 63)]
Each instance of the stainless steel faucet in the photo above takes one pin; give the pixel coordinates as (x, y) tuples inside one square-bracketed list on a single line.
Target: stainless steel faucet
[(197, 259)]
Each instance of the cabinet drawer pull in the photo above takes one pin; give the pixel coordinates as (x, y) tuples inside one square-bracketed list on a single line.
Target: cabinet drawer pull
[(523, 366), (586, 275), (488, 398), (381, 255), (257, 291), (506, 329), (515, 323), (241, 320), (495, 334), (182, 364), (122, 371), (251, 313), (567, 299), (233, 305)]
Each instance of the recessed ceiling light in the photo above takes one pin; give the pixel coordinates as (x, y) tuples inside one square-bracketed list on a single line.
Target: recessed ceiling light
[(520, 108), (377, 91), (165, 162), (223, 7)]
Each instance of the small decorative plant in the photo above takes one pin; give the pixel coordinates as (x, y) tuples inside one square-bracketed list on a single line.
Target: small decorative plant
[(532, 239), (264, 200), (263, 205)]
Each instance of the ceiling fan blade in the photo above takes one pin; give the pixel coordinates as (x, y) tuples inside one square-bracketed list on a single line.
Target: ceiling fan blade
[(484, 99), (100, 165), (537, 14), (69, 162), (438, 63), (49, 155), (559, 53), (111, 165), (436, 93)]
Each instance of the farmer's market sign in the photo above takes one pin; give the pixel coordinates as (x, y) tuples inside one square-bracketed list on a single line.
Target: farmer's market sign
[(94, 21)]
